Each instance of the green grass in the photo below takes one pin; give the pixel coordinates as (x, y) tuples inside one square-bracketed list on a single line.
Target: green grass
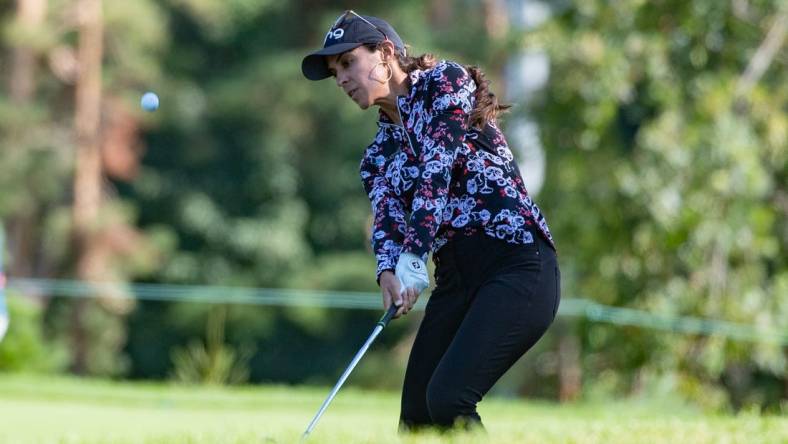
[(69, 410)]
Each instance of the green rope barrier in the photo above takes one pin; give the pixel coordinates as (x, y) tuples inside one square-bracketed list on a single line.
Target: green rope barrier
[(576, 307)]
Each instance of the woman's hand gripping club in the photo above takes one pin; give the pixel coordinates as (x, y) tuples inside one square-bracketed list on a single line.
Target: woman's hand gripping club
[(403, 287)]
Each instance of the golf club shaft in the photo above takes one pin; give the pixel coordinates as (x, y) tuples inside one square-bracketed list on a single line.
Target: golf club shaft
[(375, 332)]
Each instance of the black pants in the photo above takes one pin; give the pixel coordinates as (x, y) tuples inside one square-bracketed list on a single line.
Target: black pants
[(492, 302)]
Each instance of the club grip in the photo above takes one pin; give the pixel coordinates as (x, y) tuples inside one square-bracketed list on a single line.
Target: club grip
[(384, 321)]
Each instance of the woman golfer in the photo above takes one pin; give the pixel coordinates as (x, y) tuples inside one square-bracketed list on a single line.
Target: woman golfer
[(442, 179)]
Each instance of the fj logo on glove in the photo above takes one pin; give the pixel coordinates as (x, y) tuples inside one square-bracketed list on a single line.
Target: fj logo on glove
[(415, 265)]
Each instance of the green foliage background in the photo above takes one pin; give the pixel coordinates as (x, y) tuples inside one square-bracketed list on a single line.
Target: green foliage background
[(665, 185)]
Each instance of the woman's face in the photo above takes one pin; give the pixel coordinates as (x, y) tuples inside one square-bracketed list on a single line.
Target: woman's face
[(360, 75)]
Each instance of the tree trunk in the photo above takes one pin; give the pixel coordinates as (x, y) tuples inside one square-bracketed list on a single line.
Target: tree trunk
[(440, 13), (29, 16), (88, 176), (21, 89), (496, 18)]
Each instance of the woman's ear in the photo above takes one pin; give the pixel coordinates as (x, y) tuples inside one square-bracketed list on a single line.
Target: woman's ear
[(387, 50)]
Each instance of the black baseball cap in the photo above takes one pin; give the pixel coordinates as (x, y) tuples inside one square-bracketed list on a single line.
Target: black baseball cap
[(349, 32)]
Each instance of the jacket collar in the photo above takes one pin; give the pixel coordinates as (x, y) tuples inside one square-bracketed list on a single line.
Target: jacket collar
[(403, 102)]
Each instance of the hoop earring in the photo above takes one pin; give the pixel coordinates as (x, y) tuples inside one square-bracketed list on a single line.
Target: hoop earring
[(391, 71)]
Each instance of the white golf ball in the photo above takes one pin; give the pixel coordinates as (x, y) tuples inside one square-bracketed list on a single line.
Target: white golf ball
[(149, 101)]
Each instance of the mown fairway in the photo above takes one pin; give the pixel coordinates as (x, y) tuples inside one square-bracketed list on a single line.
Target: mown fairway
[(45, 410)]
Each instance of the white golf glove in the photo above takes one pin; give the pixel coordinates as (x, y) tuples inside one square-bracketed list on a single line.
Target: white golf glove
[(412, 273)]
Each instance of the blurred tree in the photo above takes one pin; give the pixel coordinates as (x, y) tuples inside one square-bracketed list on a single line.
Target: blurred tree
[(25, 348), (60, 127), (24, 32), (87, 174), (668, 182)]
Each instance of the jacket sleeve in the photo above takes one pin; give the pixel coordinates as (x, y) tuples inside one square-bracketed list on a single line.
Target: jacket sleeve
[(448, 105), (388, 215)]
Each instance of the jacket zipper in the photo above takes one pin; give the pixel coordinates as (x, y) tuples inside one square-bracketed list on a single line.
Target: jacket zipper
[(405, 129)]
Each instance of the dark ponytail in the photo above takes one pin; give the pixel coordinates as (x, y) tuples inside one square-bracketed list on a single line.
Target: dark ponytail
[(487, 108)]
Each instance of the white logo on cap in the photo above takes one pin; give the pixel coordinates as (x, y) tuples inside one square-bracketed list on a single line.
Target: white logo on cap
[(335, 34)]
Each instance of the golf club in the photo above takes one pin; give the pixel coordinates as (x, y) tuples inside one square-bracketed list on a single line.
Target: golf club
[(375, 332)]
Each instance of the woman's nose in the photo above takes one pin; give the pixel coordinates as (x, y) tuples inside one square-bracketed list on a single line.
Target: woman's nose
[(341, 79)]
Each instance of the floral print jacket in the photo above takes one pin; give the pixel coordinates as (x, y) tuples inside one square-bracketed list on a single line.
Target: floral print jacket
[(435, 177)]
